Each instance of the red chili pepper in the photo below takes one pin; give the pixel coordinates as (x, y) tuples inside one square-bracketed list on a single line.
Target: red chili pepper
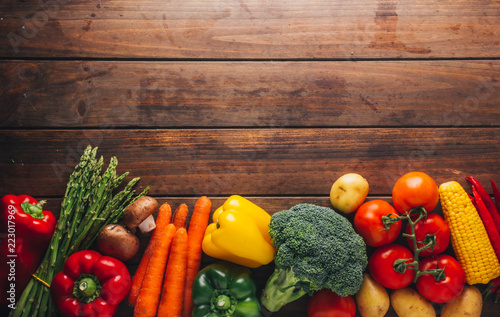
[(487, 221), (493, 288), (486, 200), (26, 230), (496, 193), (496, 282), (90, 285)]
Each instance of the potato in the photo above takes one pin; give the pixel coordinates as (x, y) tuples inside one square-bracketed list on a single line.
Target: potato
[(348, 192), (469, 303), (407, 302), (372, 299)]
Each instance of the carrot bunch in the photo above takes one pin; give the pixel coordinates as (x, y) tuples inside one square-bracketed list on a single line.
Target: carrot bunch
[(162, 284)]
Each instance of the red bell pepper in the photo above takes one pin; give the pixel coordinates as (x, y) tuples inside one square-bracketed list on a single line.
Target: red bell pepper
[(90, 285), (26, 230)]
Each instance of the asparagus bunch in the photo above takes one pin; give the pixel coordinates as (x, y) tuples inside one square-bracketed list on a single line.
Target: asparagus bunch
[(89, 204)]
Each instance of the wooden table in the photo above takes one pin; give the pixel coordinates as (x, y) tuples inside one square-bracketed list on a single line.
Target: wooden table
[(272, 100)]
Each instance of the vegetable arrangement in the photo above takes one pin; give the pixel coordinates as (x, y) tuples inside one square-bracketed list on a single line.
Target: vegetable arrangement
[(88, 205), (317, 248), (440, 278), (314, 251), (90, 285), (395, 266), (163, 219), (34, 229), (167, 270)]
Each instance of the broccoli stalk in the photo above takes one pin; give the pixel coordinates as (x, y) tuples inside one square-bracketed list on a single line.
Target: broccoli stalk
[(282, 287), (316, 248)]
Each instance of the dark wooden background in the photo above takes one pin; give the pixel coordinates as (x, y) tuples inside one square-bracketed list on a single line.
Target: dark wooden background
[(272, 100)]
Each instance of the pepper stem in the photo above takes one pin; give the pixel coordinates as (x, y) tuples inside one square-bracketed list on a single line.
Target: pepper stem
[(87, 288), (34, 210), (223, 302)]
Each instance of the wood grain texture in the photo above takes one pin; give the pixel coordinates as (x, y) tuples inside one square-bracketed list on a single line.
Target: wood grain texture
[(273, 100), (254, 29), (89, 94), (250, 161)]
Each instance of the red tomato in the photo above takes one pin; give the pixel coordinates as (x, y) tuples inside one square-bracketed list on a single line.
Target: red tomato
[(368, 223), (381, 266), (433, 224), (444, 290), (415, 189), (325, 303)]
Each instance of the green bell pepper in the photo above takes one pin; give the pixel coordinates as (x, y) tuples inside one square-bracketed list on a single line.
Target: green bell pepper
[(225, 289)]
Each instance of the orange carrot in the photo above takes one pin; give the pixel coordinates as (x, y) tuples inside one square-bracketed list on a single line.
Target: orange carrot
[(149, 295), (163, 219), (180, 216), (175, 277), (196, 232)]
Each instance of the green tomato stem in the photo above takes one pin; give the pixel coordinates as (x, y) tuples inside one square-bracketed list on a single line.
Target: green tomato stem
[(400, 265)]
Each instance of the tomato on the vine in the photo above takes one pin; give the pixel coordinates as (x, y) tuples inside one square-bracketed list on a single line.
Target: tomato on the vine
[(368, 223), (415, 189), (381, 266), (325, 303), (433, 224), (444, 290)]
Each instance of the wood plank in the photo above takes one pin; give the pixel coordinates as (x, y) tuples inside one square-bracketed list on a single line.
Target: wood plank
[(249, 94), (256, 29), (275, 162)]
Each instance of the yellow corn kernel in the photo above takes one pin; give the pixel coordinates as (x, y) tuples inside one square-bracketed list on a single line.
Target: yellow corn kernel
[(469, 238)]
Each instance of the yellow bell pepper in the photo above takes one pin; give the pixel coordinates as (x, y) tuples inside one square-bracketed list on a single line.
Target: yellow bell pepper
[(239, 234)]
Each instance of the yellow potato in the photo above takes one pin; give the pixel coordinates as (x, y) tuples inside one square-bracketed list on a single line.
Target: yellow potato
[(372, 299), (348, 192), (407, 302), (469, 303)]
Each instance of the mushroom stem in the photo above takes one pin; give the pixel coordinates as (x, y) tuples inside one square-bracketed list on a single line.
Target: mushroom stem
[(148, 224)]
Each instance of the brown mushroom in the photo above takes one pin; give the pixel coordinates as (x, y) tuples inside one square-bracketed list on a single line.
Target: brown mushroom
[(140, 214), (117, 241)]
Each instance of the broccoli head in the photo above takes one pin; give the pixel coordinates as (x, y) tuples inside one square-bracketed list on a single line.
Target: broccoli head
[(316, 248)]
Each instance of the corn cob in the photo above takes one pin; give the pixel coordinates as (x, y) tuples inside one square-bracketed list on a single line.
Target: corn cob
[(469, 238)]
